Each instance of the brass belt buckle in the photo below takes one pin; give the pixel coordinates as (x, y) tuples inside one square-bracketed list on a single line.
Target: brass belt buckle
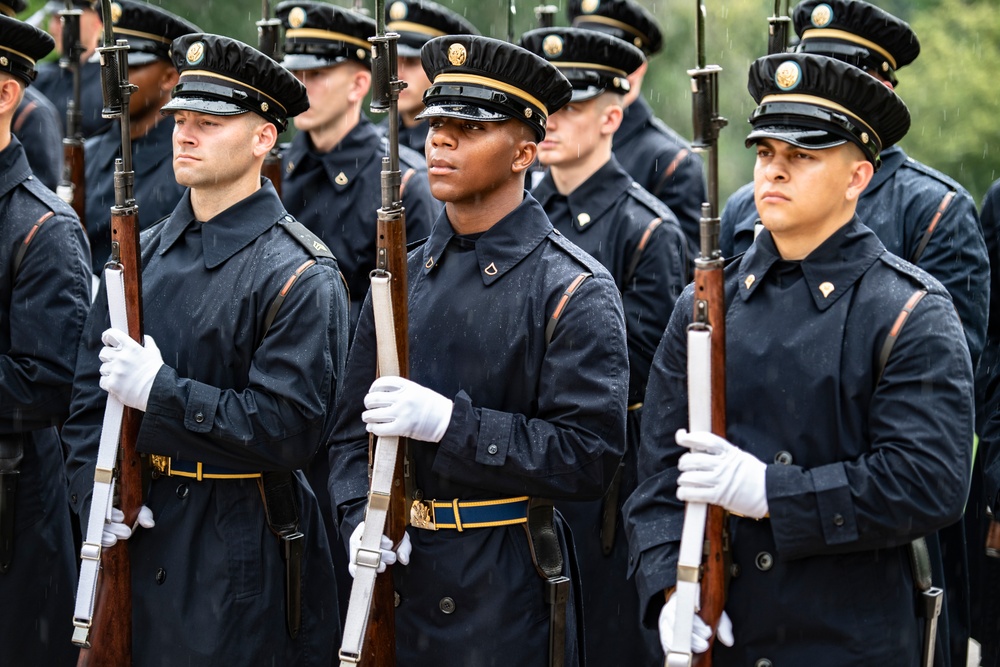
[(422, 514), (158, 463)]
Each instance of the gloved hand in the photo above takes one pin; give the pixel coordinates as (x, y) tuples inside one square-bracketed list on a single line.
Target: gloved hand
[(717, 472), (129, 369), (388, 557), (397, 406), (115, 529), (700, 632)]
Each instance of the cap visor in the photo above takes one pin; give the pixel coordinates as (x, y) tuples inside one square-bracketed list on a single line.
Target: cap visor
[(139, 58), (464, 111), (203, 105), (301, 61), (585, 93), (407, 51), (796, 136)]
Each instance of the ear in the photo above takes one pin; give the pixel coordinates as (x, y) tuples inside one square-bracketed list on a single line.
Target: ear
[(265, 135), (169, 78), (636, 77), (526, 151), (359, 86), (10, 95), (611, 119), (861, 174)]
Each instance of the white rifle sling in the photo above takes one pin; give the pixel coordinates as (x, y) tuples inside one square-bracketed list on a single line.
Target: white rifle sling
[(383, 467), (104, 485), (688, 591)]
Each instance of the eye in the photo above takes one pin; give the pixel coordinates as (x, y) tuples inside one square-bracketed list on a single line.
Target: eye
[(435, 123), (470, 126)]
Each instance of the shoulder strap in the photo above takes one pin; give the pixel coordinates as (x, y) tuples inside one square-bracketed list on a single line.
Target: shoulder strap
[(633, 263), (19, 257), (312, 243), (567, 295), (926, 238), (897, 326)]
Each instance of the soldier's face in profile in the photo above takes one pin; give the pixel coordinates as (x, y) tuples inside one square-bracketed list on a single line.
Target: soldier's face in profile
[(575, 132), (332, 91), (212, 151)]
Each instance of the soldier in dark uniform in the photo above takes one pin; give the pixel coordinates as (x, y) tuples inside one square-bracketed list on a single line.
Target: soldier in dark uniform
[(149, 31), (496, 410), (920, 215), (596, 204), (236, 396), (417, 22), (658, 158), (36, 123), (56, 83), (331, 175), (837, 455), (44, 297)]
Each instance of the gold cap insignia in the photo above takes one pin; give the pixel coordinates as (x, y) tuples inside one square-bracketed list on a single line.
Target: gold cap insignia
[(589, 6), (116, 12), (822, 15), (264, 106), (583, 219), (195, 53), (490, 270), (787, 75), (750, 280), (341, 179), (457, 54), (552, 46), (864, 137), (398, 10), (3, 61), (296, 17), (827, 289)]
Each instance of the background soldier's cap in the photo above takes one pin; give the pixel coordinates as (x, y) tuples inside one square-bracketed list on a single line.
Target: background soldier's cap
[(816, 102), (21, 46), (148, 29), (417, 22), (224, 77), (593, 62), (857, 33), (485, 79), (624, 19), (320, 35), (12, 7)]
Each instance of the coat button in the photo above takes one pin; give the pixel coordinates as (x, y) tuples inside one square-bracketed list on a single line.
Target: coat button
[(492, 449), (161, 575), (783, 458), (447, 605), (764, 561), (838, 520), (72, 498), (182, 491), (199, 417), (734, 570), (763, 662), (395, 598)]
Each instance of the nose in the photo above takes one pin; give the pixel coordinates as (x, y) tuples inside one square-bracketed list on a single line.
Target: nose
[(441, 136)]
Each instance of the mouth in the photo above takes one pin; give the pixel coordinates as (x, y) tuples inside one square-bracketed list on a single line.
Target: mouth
[(184, 157), (437, 167), (771, 197), (548, 144)]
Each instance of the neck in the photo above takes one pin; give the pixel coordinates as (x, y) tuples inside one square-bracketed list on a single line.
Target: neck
[(141, 125), (325, 139), (479, 215), (208, 202), (795, 247), (5, 136), (568, 177)]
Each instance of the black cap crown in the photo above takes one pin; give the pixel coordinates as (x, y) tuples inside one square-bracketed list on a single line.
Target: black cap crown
[(857, 33), (624, 19), (321, 35), (224, 77), (481, 78), (21, 46), (12, 7), (148, 29), (819, 102), (593, 62), (419, 21)]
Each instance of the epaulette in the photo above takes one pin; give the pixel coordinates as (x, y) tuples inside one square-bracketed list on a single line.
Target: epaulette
[(586, 261), (312, 243), (914, 273), (47, 197), (670, 133), (647, 199), (942, 178)]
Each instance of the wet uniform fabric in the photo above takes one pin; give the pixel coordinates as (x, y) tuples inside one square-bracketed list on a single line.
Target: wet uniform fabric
[(37, 124)]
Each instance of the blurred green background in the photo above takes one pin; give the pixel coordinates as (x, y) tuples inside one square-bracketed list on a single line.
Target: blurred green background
[(950, 90)]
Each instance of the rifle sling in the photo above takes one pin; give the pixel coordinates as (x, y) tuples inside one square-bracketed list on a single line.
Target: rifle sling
[(926, 238), (23, 248), (546, 553)]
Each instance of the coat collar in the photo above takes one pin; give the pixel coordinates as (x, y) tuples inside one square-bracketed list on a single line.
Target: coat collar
[(14, 167), (892, 158), (501, 247), (591, 200), (636, 116), (829, 270), (342, 164), (230, 231)]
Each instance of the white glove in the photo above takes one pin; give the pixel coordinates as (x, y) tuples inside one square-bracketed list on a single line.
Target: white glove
[(700, 632), (717, 472), (397, 406), (388, 557), (129, 369), (115, 529)]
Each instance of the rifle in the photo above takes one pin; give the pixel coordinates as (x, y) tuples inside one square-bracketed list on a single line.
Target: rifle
[(511, 15), (72, 187), (545, 15), (370, 629), (269, 43), (778, 26), (105, 637), (701, 566)]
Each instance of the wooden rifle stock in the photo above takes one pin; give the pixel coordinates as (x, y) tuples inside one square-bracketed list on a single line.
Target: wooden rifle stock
[(992, 536)]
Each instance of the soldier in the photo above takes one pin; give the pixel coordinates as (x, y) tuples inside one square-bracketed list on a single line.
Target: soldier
[(417, 21), (331, 175), (596, 204), (149, 31), (843, 445), (496, 410), (44, 297), (241, 394), (920, 215), (56, 82), (658, 158)]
